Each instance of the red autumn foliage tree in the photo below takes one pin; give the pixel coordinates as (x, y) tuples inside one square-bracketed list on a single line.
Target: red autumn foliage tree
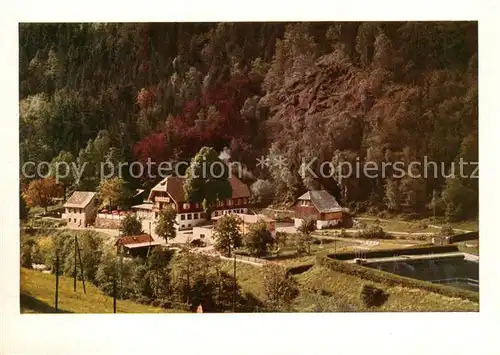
[(213, 120), (40, 192)]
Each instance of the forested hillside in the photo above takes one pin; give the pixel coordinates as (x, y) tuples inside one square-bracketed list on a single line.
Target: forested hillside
[(381, 92)]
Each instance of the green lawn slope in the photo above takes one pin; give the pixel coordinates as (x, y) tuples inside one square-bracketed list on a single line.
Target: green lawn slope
[(38, 291)]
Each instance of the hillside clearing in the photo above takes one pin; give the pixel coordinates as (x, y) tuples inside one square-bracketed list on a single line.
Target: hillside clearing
[(38, 292)]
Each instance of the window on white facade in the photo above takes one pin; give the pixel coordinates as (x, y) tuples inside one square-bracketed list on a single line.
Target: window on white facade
[(183, 217), (189, 216), (195, 216)]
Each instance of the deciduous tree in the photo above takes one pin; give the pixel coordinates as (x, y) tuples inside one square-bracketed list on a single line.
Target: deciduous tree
[(130, 225), (113, 192), (207, 180), (165, 226), (227, 234), (40, 192), (258, 239)]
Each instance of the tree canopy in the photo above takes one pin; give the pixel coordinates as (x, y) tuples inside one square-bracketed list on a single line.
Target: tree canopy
[(207, 180), (227, 234)]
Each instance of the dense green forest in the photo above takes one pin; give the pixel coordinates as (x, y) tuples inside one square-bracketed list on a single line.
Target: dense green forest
[(381, 92)]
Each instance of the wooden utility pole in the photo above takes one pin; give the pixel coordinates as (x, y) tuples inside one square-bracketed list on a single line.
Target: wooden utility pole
[(114, 295), (74, 268), (234, 280), (81, 265), (57, 283), (188, 271)]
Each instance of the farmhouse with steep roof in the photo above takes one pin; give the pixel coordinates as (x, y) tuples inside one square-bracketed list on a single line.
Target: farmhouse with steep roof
[(320, 206), (80, 209), (170, 191)]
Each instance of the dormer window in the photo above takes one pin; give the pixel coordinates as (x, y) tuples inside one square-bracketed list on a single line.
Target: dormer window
[(185, 206)]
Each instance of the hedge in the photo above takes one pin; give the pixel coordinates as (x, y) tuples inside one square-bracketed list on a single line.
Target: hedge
[(295, 270), (382, 253), (393, 279), (463, 237)]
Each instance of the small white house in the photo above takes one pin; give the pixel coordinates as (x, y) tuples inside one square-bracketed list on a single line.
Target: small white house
[(80, 209), (204, 233)]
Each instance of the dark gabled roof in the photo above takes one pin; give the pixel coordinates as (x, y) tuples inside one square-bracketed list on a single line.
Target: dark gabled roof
[(174, 186), (79, 199), (134, 239), (322, 200), (240, 189)]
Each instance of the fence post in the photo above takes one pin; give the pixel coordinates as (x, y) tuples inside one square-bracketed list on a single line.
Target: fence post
[(81, 265), (74, 269), (234, 281), (114, 295), (57, 283)]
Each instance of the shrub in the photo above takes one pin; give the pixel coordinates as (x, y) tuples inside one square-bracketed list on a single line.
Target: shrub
[(28, 250), (198, 243), (301, 243), (374, 232), (373, 296)]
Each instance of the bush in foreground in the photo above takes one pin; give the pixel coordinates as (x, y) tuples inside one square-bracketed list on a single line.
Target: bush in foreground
[(373, 296)]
